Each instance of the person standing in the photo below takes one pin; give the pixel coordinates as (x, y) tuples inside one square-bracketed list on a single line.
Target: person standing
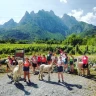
[(71, 62), (60, 69), (34, 63), (39, 60), (10, 61), (65, 61), (26, 67), (49, 57), (85, 64), (44, 60), (14, 61)]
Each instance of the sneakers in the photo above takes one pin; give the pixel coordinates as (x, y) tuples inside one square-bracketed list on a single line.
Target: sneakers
[(83, 75), (29, 81), (24, 80), (58, 81), (62, 81)]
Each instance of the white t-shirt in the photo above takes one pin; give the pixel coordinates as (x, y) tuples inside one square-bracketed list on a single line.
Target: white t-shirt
[(53, 58), (59, 63)]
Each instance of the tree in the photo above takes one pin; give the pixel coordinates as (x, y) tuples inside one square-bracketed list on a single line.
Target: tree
[(74, 40)]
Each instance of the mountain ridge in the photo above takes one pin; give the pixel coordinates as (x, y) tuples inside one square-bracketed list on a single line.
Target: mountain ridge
[(42, 25)]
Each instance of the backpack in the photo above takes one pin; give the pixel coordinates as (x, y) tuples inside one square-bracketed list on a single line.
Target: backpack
[(49, 57)]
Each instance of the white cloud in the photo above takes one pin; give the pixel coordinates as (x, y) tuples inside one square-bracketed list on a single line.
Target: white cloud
[(94, 9), (76, 13), (89, 17), (65, 1), (2, 22)]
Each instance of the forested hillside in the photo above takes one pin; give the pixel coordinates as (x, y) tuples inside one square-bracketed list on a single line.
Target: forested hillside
[(44, 25)]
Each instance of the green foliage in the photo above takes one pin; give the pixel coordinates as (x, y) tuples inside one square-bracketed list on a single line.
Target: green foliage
[(46, 25), (9, 49), (73, 40)]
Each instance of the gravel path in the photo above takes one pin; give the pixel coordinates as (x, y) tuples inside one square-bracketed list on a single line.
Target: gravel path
[(74, 86)]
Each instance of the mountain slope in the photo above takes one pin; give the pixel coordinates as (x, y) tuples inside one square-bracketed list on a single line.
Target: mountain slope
[(42, 25)]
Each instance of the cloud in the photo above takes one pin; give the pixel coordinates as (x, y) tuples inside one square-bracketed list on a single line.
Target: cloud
[(76, 13), (2, 22), (65, 1), (89, 17), (94, 9)]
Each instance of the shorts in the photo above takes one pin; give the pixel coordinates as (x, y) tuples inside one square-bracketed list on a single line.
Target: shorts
[(34, 65), (85, 65), (65, 62), (25, 68), (71, 62), (43, 62), (60, 69), (39, 63)]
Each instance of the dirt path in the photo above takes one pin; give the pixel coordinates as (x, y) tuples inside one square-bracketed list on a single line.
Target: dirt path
[(74, 86)]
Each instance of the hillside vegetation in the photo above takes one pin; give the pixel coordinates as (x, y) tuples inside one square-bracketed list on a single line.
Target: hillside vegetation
[(44, 25)]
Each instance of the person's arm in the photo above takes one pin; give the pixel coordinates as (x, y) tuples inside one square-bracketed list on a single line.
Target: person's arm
[(62, 63), (30, 65), (68, 58)]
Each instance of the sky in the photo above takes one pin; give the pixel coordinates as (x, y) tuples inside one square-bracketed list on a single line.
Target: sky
[(82, 10)]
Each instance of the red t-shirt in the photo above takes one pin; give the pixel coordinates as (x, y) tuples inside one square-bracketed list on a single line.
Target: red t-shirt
[(39, 59), (10, 60), (44, 59), (85, 60), (26, 64)]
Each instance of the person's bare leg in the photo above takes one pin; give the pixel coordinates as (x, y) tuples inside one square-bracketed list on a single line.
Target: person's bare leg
[(87, 71), (24, 76), (62, 77), (28, 74), (72, 68), (58, 76), (83, 71), (33, 70)]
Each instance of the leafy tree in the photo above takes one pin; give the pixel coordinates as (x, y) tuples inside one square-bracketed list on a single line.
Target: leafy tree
[(73, 40)]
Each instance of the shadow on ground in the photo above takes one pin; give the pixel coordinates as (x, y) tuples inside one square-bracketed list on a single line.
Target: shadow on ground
[(22, 79), (92, 77), (64, 84), (21, 87), (31, 84)]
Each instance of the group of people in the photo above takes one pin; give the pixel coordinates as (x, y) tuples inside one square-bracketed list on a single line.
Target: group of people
[(61, 61), (12, 61)]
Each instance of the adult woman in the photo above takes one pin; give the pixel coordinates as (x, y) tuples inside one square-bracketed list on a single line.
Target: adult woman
[(71, 62), (26, 66), (85, 64), (44, 60), (65, 61), (60, 69), (10, 61), (39, 60), (34, 63), (14, 61)]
